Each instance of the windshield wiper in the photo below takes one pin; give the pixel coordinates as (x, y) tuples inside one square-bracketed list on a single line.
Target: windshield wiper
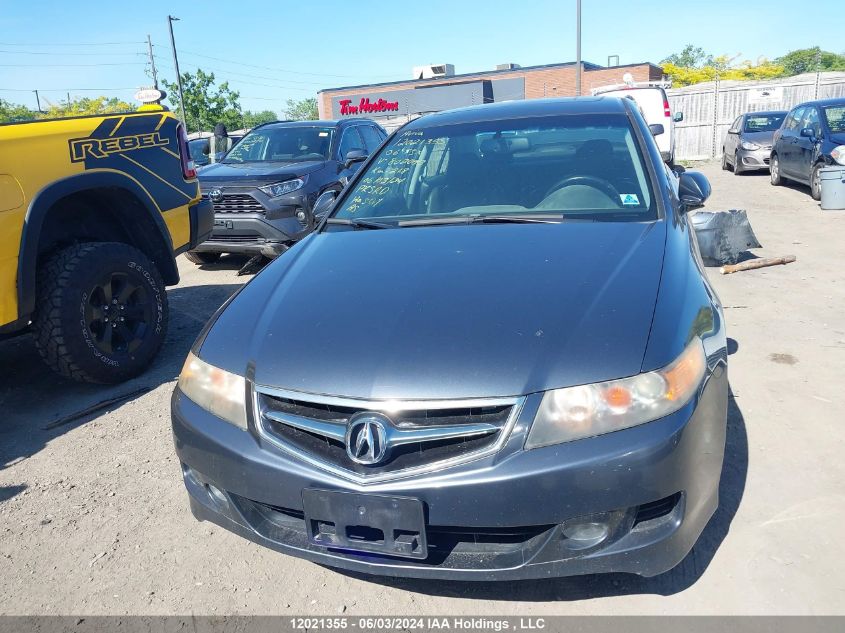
[(486, 219), (360, 223)]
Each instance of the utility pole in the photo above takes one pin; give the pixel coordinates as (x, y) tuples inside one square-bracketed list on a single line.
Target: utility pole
[(153, 59), (37, 100), (170, 21), (578, 48)]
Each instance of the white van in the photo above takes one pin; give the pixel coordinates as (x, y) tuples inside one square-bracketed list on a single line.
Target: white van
[(654, 106)]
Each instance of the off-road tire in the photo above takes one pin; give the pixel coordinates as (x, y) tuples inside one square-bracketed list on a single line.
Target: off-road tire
[(200, 258), (63, 329)]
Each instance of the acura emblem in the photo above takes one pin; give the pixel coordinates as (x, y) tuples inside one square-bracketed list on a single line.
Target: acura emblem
[(216, 195), (366, 438)]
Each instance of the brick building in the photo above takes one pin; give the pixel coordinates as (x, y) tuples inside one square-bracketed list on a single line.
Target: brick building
[(392, 104)]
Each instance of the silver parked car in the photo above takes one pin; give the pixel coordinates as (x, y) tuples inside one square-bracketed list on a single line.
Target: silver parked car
[(748, 143)]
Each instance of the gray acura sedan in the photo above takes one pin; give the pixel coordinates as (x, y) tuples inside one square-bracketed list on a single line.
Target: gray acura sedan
[(497, 358)]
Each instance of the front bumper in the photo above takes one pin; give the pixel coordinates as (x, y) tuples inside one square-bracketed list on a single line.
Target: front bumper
[(495, 519), (252, 235), (749, 160)]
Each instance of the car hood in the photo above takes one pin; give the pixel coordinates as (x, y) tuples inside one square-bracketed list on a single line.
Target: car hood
[(262, 171), (761, 138), (447, 312)]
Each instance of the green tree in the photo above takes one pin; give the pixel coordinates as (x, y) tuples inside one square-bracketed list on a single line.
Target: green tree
[(690, 57), (206, 103), (13, 112), (808, 60), (304, 110), (250, 119), (86, 105)]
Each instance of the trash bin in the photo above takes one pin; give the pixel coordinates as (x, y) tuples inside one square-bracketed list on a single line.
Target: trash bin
[(833, 187)]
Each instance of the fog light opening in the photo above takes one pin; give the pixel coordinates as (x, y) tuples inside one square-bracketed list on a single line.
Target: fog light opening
[(216, 495), (585, 533)]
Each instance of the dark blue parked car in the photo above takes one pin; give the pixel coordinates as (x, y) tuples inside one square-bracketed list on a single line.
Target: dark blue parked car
[(497, 358), (812, 136)]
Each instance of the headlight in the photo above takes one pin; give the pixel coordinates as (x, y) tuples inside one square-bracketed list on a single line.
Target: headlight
[(577, 412), (281, 188), (217, 391), (838, 154), (749, 145)]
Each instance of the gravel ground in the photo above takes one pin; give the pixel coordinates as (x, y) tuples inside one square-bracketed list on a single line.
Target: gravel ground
[(94, 518)]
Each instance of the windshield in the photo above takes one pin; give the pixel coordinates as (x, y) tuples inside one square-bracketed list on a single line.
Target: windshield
[(763, 122), (283, 144), (835, 116), (574, 166)]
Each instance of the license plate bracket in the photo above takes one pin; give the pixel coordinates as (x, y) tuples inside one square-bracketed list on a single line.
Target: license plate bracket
[(392, 526)]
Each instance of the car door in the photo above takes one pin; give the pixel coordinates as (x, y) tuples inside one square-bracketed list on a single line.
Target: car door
[(350, 140), (806, 148), (372, 139), (732, 139), (787, 142)]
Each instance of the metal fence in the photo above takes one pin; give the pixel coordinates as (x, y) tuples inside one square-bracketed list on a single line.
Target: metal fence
[(710, 108)]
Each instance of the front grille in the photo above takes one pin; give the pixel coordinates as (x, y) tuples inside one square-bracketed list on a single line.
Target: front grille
[(447, 546), (237, 203), (234, 239), (314, 428)]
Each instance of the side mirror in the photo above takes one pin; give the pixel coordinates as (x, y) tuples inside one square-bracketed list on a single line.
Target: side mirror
[(354, 156), (678, 117), (733, 131), (656, 129), (693, 189), (324, 204), (808, 132)]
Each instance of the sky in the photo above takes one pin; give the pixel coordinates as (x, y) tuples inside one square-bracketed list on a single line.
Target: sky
[(273, 51)]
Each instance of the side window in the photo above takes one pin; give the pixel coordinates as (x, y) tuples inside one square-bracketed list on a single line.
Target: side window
[(811, 120), (735, 126), (349, 141), (793, 120), (371, 137)]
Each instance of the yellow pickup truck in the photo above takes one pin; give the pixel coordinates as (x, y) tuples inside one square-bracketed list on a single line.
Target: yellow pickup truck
[(93, 211)]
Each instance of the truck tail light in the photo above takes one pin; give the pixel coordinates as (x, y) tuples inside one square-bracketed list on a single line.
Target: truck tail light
[(189, 170), (666, 111)]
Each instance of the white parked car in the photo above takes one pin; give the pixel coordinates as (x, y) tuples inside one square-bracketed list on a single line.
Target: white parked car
[(654, 106)]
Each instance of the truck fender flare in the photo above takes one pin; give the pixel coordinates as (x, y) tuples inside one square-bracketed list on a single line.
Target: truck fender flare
[(44, 200)]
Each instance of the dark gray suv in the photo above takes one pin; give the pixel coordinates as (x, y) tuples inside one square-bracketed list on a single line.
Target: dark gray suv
[(497, 358), (267, 187)]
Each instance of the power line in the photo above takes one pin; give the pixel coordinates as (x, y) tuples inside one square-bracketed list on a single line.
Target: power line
[(234, 72), (62, 54), (68, 89), (237, 80), (283, 70), (55, 44), (72, 65)]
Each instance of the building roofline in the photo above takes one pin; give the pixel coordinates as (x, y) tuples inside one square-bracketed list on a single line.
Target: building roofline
[(483, 73)]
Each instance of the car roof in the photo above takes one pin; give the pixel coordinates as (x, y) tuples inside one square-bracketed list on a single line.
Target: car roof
[(521, 109), (765, 112), (822, 102)]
